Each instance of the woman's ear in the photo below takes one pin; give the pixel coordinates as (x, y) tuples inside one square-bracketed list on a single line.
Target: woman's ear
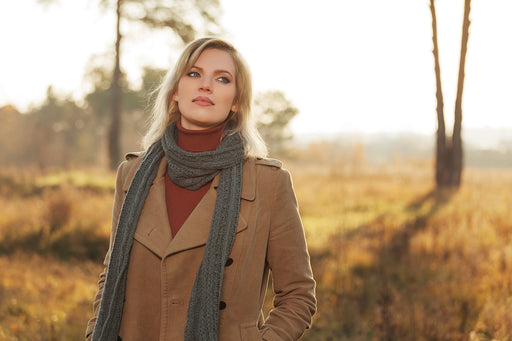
[(234, 107), (175, 96)]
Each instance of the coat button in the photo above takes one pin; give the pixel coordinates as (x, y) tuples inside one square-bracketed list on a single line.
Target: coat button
[(222, 305), (229, 261)]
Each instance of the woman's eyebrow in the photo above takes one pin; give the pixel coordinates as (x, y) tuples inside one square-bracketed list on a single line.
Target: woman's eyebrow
[(215, 72)]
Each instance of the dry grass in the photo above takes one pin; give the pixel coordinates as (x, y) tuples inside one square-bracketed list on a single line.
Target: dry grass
[(63, 218), (393, 258), (44, 298), (53, 234), (397, 260)]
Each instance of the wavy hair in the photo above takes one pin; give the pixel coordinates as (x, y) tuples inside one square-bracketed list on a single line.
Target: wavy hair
[(165, 109)]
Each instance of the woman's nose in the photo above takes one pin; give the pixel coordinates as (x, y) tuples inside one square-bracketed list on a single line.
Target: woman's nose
[(206, 85)]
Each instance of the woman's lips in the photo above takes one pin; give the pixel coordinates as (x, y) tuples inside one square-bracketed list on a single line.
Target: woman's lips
[(203, 101)]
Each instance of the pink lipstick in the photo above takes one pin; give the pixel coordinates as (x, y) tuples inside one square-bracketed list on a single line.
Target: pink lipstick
[(203, 101)]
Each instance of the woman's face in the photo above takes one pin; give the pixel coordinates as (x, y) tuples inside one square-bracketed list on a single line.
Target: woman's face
[(206, 93)]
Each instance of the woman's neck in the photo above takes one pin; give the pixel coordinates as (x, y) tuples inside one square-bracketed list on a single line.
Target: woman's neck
[(196, 141)]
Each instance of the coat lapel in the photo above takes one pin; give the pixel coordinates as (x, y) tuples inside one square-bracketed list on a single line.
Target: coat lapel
[(153, 229)]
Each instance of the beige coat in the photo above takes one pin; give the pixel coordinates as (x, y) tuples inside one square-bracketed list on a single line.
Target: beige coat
[(162, 269)]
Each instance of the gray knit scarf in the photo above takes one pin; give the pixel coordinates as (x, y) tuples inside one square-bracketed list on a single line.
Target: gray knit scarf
[(191, 171)]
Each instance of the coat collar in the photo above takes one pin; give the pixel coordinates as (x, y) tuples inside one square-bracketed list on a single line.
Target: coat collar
[(153, 230)]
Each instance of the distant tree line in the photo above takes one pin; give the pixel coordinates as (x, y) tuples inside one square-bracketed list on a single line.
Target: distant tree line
[(61, 133)]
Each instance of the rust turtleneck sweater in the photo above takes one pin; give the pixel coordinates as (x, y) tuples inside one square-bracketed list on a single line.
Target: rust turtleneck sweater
[(180, 201)]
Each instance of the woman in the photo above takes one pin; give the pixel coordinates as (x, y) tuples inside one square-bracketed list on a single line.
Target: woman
[(201, 218)]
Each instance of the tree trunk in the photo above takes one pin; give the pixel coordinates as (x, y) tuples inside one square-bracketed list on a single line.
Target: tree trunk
[(457, 124), (116, 100), (441, 148), (449, 151)]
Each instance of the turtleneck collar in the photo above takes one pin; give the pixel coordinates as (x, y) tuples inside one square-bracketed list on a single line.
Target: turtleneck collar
[(196, 141)]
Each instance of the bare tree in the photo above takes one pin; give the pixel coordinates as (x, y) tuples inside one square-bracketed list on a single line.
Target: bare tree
[(114, 150), (156, 14), (449, 151)]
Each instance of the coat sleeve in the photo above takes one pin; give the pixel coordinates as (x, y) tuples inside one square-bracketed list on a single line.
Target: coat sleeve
[(288, 259), (116, 210)]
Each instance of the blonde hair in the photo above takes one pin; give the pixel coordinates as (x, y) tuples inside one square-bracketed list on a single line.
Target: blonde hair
[(165, 109)]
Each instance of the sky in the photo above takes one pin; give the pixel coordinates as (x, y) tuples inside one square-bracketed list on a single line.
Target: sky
[(347, 65)]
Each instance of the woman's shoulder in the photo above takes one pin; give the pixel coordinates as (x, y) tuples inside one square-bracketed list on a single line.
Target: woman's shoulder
[(134, 155), (265, 169), (129, 166), (268, 162), (132, 160), (267, 176)]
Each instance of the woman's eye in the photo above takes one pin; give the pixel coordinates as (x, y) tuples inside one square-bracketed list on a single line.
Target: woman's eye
[(193, 74), (223, 80)]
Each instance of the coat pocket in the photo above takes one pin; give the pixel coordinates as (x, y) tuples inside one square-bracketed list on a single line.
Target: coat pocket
[(250, 332)]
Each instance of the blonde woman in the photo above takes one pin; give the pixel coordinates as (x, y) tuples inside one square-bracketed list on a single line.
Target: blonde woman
[(201, 218)]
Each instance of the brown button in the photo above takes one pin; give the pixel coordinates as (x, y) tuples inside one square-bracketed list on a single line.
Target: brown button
[(229, 261), (222, 305)]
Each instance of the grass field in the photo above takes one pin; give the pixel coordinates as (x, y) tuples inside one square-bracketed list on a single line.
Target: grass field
[(394, 259)]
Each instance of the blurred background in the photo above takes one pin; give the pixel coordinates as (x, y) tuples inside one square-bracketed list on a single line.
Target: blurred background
[(394, 118)]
